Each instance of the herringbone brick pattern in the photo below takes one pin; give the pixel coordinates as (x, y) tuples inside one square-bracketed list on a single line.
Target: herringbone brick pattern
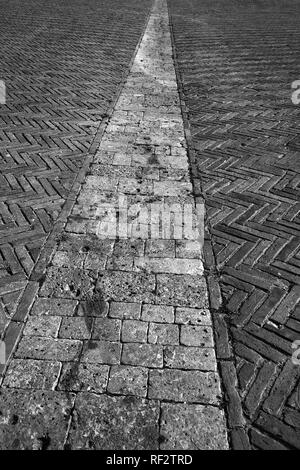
[(62, 63), (237, 60)]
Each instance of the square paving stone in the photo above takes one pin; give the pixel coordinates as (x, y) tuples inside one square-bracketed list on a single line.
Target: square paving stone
[(107, 329), (184, 357), (101, 352), (126, 380), (104, 422), (134, 331), (181, 290), (123, 286), (80, 377), (185, 386), (32, 374), (192, 427), (34, 420), (94, 306)]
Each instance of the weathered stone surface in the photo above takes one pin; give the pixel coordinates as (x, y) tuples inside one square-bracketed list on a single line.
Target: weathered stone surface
[(134, 331), (147, 355), (80, 377), (32, 374), (88, 243), (94, 306), (181, 290), (100, 183), (197, 336), (81, 226), (126, 380), (120, 263), (68, 283), (183, 357), (184, 385), (129, 310), (62, 307), (160, 248), (114, 423), (101, 352), (192, 427), (124, 286), (34, 420), (169, 265), (158, 313), (163, 334), (129, 248), (188, 249), (168, 188), (106, 329), (192, 316), (76, 328), (95, 261), (36, 347), (42, 326)]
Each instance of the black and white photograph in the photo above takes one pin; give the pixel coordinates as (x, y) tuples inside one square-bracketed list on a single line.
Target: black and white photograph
[(150, 228)]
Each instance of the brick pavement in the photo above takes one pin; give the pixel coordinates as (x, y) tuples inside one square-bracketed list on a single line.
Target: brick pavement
[(62, 63), (236, 63), (118, 349)]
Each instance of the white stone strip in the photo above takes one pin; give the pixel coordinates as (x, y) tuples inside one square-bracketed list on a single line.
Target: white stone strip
[(139, 195)]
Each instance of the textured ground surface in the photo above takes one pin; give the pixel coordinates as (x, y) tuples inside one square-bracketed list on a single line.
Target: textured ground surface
[(121, 344), (237, 60), (118, 349), (62, 63)]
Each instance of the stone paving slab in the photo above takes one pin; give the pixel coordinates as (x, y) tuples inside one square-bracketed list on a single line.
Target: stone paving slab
[(122, 315)]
